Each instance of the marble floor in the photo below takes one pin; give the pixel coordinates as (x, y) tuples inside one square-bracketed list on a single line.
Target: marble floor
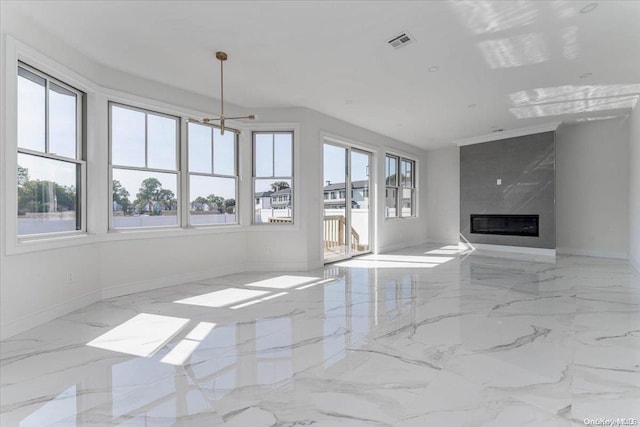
[(426, 336)]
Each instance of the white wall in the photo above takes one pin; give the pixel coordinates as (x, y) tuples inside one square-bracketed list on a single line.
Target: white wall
[(443, 195), (592, 183), (38, 285), (634, 188)]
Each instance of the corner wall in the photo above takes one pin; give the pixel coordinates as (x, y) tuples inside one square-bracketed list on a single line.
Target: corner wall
[(443, 195), (634, 188), (593, 188)]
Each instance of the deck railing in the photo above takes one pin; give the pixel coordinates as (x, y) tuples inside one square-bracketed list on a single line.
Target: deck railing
[(334, 233), (282, 219)]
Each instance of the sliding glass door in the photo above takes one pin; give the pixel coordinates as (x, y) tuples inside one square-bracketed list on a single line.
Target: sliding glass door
[(347, 213)]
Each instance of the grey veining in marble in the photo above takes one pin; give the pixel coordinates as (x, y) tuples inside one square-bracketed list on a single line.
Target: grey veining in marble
[(421, 337)]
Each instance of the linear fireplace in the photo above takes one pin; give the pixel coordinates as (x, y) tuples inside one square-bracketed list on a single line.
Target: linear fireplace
[(506, 225)]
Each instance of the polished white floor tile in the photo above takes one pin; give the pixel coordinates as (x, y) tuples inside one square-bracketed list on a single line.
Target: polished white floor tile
[(419, 337)]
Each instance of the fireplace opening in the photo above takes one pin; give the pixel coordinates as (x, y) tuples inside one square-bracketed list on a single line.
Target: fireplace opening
[(506, 225)]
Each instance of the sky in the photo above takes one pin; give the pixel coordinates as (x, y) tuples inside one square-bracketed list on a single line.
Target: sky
[(334, 164), (31, 129)]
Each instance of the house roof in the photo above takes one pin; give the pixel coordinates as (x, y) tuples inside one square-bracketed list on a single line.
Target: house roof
[(341, 185), (280, 192)]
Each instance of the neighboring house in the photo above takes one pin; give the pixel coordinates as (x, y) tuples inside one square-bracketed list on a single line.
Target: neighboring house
[(206, 207), (335, 195), (262, 200), (281, 199)]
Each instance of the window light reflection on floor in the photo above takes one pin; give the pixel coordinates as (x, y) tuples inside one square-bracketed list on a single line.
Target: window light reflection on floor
[(222, 298), (443, 252), (321, 282), (267, 298), (420, 259), (185, 348), (142, 335), (283, 282), (371, 263)]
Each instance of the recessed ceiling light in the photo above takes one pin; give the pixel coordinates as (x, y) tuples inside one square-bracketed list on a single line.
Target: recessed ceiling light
[(434, 68), (585, 75), (472, 105), (589, 8), (348, 101)]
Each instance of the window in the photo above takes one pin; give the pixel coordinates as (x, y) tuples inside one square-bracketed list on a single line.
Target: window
[(213, 175), (51, 166), (144, 168), (273, 174), (400, 187)]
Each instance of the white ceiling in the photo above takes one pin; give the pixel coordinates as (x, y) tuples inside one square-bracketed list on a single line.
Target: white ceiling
[(519, 61)]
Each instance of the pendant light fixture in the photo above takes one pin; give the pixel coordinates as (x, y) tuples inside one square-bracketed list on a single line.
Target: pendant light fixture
[(221, 56)]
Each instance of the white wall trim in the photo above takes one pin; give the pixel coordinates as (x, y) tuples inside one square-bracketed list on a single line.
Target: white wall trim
[(513, 249), (599, 253), (496, 136), (37, 318)]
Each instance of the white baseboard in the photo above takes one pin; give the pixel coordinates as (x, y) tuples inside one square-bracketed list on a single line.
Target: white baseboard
[(32, 320), (163, 282), (440, 242), (635, 264), (513, 249), (397, 246), (594, 253)]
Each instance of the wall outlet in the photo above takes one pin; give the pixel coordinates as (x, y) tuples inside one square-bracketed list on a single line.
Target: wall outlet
[(499, 181), (70, 277)]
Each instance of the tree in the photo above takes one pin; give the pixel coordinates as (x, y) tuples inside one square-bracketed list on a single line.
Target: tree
[(279, 185), (199, 203), (153, 198), (23, 176), (230, 206), (218, 201), (45, 196), (121, 196)]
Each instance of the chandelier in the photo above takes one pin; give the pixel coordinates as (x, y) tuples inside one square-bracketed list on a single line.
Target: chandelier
[(221, 56)]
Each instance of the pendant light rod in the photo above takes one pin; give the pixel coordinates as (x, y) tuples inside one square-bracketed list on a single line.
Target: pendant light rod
[(221, 56)]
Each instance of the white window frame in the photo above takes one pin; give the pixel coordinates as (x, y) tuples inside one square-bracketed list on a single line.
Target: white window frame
[(236, 176), (399, 186), (177, 171), (78, 160), (294, 203)]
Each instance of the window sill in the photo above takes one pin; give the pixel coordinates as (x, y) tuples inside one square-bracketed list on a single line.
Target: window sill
[(37, 244), (397, 218)]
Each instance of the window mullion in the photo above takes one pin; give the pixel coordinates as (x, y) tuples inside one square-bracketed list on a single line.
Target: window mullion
[(46, 115), (146, 140), (213, 147), (273, 154)]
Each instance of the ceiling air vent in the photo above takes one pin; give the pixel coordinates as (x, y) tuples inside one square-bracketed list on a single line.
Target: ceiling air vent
[(401, 40)]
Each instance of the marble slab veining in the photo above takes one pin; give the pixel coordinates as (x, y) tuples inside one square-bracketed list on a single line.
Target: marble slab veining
[(425, 336)]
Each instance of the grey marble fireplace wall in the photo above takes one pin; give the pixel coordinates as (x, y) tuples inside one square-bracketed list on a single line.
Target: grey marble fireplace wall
[(526, 166)]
